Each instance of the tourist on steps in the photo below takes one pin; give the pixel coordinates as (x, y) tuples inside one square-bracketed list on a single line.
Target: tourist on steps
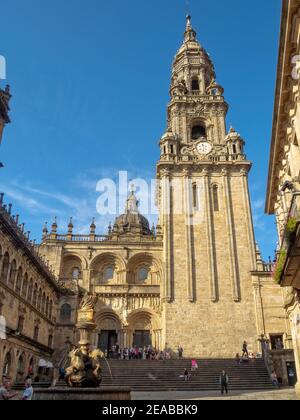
[(186, 375), (180, 352), (28, 393), (194, 365), (224, 382), (245, 350)]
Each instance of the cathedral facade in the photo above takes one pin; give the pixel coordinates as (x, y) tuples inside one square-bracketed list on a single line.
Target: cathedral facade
[(197, 280)]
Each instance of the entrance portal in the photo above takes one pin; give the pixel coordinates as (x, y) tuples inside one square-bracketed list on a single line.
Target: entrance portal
[(107, 339), (142, 339)]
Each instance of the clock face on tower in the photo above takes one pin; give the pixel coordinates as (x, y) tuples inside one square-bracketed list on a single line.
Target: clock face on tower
[(204, 148)]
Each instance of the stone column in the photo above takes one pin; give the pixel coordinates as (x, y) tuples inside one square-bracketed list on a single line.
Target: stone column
[(259, 312), (191, 286), (295, 322), (210, 236), (249, 220), (166, 217), (231, 237)]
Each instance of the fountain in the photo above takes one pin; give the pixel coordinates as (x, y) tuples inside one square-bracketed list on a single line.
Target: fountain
[(84, 373)]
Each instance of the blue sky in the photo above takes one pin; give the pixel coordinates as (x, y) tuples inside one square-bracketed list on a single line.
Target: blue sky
[(90, 82)]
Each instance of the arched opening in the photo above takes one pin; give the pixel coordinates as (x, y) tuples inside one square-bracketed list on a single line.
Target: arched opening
[(143, 269), (198, 132), (5, 268), (13, 273), (107, 269), (21, 368), (30, 292), (43, 308), (71, 268), (19, 281), (50, 341), (65, 314), (7, 365), (109, 326), (25, 286), (39, 302), (35, 295), (195, 85), (36, 333)]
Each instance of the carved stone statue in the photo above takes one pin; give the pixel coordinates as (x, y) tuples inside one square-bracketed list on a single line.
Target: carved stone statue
[(85, 369), (88, 302)]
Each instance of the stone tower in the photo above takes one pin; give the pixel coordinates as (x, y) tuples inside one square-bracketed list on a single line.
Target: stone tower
[(205, 215)]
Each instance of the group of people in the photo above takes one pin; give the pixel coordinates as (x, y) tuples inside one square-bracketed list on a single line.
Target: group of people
[(141, 353), (7, 394)]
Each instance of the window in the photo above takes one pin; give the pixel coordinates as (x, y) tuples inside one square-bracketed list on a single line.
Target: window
[(19, 281), (198, 131), (108, 274), (277, 342), (36, 333), (50, 341), (30, 291), (172, 149), (143, 274), (35, 295), (20, 324), (216, 198), (5, 268), (195, 85), (65, 313), (76, 273), (13, 272), (25, 286)]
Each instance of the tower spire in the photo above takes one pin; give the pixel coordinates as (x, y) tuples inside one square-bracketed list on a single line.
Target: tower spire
[(190, 34)]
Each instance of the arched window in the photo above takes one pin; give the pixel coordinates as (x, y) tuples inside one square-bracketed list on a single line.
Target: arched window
[(143, 274), (5, 268), (216, 198), (25, 286), (234, 149), (30, 291), (21, 324), (65, 313), (36, 333), (198, 131), (13, 273), (35, 295), (50, 309), (19, 281), (43, 308), (21, 367), (47, 306), (39, 302), (50, 341), (7, 365), (195, 85)]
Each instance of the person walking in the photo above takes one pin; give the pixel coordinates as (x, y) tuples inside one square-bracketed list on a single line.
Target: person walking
[(224, 382), (245, 350)]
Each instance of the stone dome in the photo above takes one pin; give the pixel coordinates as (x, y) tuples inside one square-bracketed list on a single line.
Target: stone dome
[(132, 221)]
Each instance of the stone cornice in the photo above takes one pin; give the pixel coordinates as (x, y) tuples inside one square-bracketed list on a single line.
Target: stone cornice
[(284, 70)]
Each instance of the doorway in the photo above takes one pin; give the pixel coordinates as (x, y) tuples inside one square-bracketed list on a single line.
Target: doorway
[(107, 339), (142, 339), (292, 375)]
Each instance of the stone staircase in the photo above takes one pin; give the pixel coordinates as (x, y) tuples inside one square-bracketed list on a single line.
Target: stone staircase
[(140, 375)]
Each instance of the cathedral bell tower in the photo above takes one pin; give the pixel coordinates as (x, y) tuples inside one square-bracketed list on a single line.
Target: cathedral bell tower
[(205, 212)]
